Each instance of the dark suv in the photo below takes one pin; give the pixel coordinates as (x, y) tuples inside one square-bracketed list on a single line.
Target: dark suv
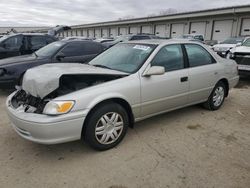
[(21, 44), (12, 69)]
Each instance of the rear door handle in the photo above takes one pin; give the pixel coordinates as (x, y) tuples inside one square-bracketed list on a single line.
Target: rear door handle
[(184, 79)]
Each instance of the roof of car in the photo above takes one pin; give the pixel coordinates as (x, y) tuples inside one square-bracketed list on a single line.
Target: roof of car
[(162, 41), (30, 34)]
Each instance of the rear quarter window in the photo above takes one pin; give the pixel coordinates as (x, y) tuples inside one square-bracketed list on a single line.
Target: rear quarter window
[(198, 56)]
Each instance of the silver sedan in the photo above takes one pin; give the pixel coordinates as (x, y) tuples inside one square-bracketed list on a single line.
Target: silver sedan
[(129, 82)]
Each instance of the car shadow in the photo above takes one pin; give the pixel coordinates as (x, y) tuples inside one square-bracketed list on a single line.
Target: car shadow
[(80, 148)]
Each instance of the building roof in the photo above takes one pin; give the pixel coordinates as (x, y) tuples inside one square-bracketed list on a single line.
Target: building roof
[(179, 15)]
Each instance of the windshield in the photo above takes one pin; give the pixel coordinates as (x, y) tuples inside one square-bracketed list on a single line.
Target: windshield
[(50, 49), (5, 37), (246, 43), (232, 41), (124, 57)]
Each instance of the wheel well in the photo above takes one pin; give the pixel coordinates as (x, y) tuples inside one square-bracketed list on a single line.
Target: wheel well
[(120, 101), (20, 78), (225, 82)]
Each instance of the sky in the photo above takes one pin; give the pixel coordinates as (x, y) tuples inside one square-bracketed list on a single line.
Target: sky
[(73, 12)]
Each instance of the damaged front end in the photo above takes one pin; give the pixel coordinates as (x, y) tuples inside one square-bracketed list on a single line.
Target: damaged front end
[(39, 88)]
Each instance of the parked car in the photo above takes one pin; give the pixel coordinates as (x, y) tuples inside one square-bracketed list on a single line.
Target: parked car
[(241, 54), (12, 69), (127, 83), (21, 44), (224, 47), (193, 36), (211, 43), (125, 38)]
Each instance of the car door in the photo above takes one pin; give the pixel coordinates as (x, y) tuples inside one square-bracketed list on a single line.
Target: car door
[(204, 72), (81, 52), (161, 93), (12, 46)]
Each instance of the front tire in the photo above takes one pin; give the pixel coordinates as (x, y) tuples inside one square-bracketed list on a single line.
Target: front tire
[(106, 126), (217, 97)]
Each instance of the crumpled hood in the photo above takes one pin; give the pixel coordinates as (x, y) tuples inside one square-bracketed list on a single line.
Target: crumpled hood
[(42, 80)]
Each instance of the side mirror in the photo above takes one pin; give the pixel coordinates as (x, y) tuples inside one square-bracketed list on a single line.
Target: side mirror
[(60, 56), (155, 70), (238, 44)]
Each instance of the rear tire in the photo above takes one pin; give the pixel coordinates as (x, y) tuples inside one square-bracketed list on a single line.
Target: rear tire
[(217, 97), (106, 126)]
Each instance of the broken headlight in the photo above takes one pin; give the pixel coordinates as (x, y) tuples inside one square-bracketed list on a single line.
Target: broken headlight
[(58, 107)]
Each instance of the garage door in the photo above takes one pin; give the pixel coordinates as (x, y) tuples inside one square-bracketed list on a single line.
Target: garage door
[(177, 30), (69, 33), (104, 33), (198, 28), (113, 32), (146, 29), (97, 33), (245, 28), (79, 32), (91, 33), (84, 33), (160, 30), (134, 30), (222, 29), (122, 31)]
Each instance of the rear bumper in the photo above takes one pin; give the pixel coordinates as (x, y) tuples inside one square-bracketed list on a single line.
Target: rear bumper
[(46, 129)]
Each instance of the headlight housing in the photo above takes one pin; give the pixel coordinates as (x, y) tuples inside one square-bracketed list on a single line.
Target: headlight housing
[(58, 107), (230, 55)]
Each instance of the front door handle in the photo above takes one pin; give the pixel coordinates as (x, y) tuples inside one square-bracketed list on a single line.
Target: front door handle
[(184, 79)]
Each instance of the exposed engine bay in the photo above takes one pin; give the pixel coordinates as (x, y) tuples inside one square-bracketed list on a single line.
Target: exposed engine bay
[(67, 84)]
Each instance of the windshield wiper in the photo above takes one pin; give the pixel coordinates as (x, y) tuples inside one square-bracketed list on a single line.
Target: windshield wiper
[(35, 54), (102, 66)]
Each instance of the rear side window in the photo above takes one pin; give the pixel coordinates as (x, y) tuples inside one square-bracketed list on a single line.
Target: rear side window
[(198, 56), (38, 42), (170, 57)]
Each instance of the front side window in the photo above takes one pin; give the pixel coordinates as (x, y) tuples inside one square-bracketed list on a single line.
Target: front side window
[(13, 42), (170, 57), (124, 57), (82, 48), (198, 56), (73, 49)]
